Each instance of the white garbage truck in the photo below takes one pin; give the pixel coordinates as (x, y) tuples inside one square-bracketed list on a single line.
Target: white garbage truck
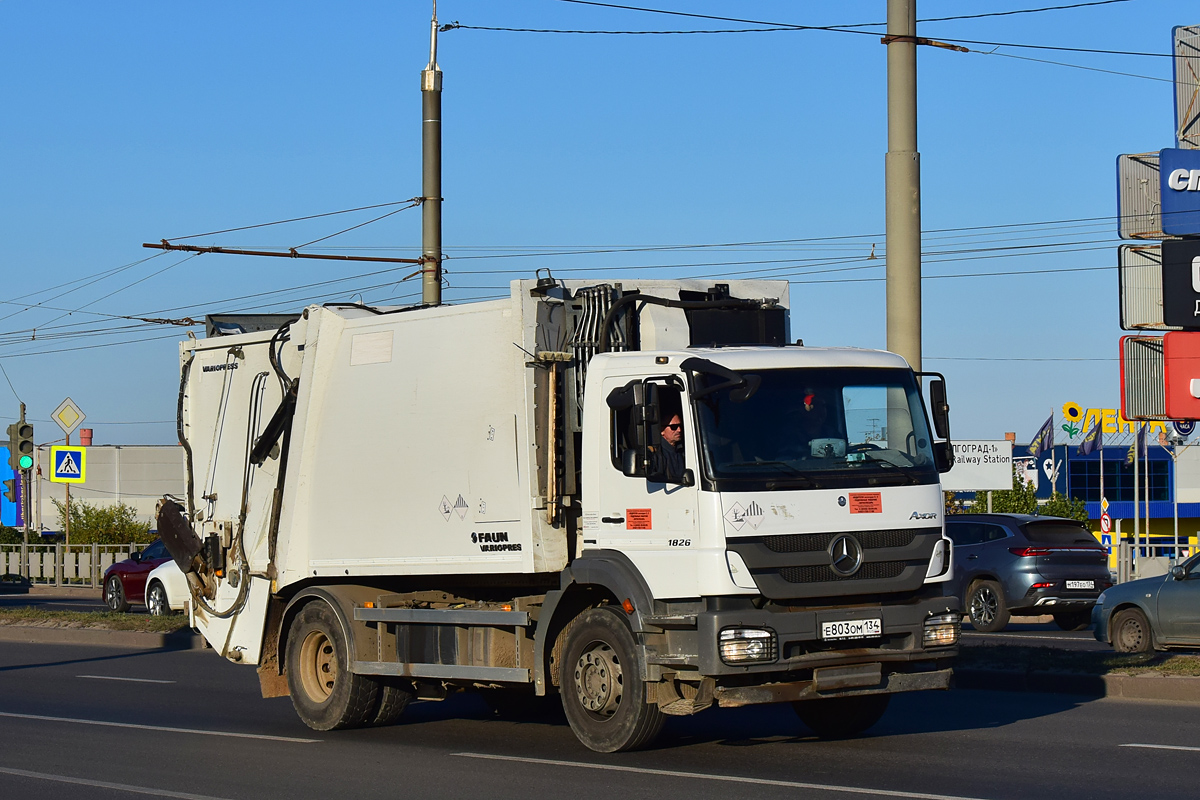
[(640, 496)]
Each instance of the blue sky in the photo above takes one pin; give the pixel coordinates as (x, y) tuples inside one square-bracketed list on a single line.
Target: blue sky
[(128, 122)]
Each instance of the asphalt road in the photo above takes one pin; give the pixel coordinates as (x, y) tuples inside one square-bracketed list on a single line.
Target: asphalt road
[(1034, 634), (90, 723)]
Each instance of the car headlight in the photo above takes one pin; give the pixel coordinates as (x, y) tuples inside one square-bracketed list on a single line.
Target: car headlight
[(748, 646), (942, 630)]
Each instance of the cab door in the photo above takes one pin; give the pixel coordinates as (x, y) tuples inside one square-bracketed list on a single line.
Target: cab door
[(653, 522)]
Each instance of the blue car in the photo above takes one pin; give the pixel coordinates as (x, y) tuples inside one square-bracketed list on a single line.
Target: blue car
[(1152, 613), (1008, 565)]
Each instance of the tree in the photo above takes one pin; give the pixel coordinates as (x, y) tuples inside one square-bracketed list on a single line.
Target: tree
[(10, 535), (115, 524), (1022, 499)]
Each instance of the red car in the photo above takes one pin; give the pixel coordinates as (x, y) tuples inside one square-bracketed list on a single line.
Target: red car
[(125, 581)]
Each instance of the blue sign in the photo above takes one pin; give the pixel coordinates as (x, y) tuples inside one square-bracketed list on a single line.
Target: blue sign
[(1179, 179), (1184, 427)]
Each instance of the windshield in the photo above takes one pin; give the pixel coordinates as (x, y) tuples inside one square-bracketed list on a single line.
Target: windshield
[(816, 428)]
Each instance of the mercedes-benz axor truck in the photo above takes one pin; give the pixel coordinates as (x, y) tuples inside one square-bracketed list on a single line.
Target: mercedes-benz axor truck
[(642, 497)]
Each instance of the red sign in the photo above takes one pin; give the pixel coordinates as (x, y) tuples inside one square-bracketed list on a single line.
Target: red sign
[(1181, 373), (866, 503), (637, 519), (1105, 523)]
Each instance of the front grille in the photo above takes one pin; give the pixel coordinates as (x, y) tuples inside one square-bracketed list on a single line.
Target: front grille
[(820, 573), (812, 542)]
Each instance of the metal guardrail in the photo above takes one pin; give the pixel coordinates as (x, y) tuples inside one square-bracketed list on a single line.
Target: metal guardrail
[(80, 565)]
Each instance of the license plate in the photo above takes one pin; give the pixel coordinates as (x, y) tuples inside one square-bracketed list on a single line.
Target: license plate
[(1081, 584), (852, 629)]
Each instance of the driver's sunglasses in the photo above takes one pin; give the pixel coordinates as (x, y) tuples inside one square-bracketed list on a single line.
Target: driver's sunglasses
[(675, 426)]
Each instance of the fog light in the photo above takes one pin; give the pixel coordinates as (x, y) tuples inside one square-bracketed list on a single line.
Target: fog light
[(747, 646), (942, 630)]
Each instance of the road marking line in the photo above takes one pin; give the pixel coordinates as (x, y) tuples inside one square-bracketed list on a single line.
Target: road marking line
[(1163, 747), (158, 728), (671, 773), (131, 680), (120, 787)]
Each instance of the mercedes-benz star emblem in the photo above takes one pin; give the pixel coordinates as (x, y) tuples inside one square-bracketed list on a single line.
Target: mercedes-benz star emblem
[(845, 555)]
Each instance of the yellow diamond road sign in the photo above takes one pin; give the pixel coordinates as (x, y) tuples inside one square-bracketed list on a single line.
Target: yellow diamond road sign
[(68, 416)]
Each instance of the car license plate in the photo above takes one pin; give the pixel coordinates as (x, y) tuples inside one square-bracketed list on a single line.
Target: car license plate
[(1081, 584), (852, 629)]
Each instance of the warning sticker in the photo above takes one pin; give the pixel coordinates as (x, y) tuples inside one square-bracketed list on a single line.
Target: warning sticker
[(866, 503), (637, 519)]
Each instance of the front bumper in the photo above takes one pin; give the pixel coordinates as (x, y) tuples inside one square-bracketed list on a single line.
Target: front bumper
[(800, 648), (733, 696)]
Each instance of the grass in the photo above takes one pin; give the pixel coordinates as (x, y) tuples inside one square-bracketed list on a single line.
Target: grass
[(103, 620), (1045, 659)]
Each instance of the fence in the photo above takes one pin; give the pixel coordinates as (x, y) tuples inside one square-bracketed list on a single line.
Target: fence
[(80, 565)]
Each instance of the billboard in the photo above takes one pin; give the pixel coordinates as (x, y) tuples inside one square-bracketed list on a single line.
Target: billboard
[(1179, 176), (980, 466)]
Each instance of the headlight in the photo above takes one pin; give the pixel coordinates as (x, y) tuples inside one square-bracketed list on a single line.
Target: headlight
[(942, 630), (748, 646)]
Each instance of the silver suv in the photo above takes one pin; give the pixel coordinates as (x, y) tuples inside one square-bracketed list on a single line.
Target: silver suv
[(1021, 565)]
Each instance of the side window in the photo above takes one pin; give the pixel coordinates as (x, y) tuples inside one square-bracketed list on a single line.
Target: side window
[(156, 550), (668, 433), (994, 533), (965, 533)]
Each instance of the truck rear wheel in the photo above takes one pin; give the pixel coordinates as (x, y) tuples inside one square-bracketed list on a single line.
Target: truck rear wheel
[(841, 717), (603, 694), (325, 693), (394, 697)]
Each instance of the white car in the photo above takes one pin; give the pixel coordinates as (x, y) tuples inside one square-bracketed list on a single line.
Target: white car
[(166, 590)]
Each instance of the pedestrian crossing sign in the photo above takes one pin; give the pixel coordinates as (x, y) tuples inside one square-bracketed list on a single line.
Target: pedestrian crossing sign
[(70, 464)]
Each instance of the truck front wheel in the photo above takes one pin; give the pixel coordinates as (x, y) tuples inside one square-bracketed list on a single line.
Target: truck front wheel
[(603, 694), (841, 717), (325, 693)]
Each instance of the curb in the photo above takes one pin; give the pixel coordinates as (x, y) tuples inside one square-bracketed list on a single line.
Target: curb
[(183, 639), (1176, 688)]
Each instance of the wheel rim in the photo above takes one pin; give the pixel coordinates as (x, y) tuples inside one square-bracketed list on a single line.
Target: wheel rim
[(599, 682), (984, 605), (1131, 633), (112, 593), (158, 603), (318, 666)]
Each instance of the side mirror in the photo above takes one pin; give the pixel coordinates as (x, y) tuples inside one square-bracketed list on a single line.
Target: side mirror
[(136, 555), (940, 409), (1178, 573), (943, 456), (688, 478)]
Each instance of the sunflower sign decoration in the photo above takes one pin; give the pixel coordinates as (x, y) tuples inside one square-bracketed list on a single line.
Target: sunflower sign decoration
[(1072, 413)]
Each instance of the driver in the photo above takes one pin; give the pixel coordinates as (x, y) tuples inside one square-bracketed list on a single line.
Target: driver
[(667, 457)]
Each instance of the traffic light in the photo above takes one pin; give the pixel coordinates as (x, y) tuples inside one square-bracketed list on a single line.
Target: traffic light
[(20, 445), (10, 491)]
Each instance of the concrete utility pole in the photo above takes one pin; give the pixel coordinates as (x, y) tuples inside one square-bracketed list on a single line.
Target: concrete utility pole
[(431, 173), (903, 176)]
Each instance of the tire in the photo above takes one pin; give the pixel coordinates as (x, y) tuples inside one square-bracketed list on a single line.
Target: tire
[(326, 694), (841, 717), (156, 601), (602, 692), (1074, 620), (986, 606), (394, 697), (114, 595), (1130, 632)]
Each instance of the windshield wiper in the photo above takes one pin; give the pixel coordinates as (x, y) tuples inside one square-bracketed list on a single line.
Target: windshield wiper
[(782, 466)]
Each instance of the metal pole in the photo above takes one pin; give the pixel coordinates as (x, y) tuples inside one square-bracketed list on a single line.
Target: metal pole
[(903, 177), (989, 501), (67, 513), (1137, 509), (431, 174), (1175, 494)]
